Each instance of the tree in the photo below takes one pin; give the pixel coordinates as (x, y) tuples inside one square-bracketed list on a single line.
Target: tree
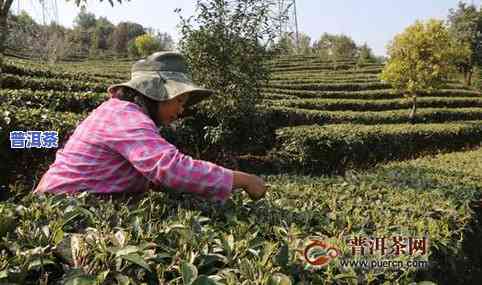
[(5, 6), (365, 54), (85, 20), (120, 38), (344, 47), (286, 44), (23, 29), (466, 27), (224, 45), (134, 30), (146, 44), (165, 41), (420, 59), (336, 46), (102, 33), (304, 46), (124, 33)]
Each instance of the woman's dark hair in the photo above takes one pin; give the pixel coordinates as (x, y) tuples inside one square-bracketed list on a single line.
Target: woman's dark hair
[(149, 106)]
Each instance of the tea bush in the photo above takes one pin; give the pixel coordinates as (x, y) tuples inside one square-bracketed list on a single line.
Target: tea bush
[(48, 73), (316, 149), (60, 101), (369, 94), (331, 87), (378, 105), (171, 237), (34, 83), (284, 116)]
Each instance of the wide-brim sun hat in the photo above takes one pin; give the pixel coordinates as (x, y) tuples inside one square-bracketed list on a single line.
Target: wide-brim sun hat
[(163, 76)]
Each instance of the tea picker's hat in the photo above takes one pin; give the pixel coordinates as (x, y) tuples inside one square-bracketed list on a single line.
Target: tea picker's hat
[(163, 76)]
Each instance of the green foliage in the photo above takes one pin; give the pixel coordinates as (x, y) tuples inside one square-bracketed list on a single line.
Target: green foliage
[(331, 87), (165, 41), (85, 20), (39, 71), (103, 31), (334, 69), (365, 55), (368, 94), (336, 47), (146, 44), (24, 82), (132, 49), (287, 44), (223, 45), (378, 105), (170, 237), (59, 101), (91, 37), (173, 237), (466, 28), (20, 26), (285, 116), (316, 149), (420, 57)]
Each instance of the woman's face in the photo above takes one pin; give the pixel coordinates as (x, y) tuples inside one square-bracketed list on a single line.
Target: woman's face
[(170, 110)]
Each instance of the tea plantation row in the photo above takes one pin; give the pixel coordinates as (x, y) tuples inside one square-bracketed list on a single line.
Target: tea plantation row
[(168, 237)]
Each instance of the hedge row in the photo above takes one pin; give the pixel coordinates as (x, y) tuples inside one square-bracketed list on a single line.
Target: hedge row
[(271, 96), (354, 71), (374, 105), (330, 87), (334, 148), (61, 101), (287, 62), (324, 67), (323, 81), (21, 82), (369, 94), (284, 116), (308, 77), (50, 73), (311, 84), (243, 241), (88, 69)]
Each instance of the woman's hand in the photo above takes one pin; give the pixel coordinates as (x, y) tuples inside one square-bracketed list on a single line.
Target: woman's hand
[(252, 184)]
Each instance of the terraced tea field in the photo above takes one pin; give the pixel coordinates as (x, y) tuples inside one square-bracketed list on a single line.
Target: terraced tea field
[(357, 120), (326, 118)]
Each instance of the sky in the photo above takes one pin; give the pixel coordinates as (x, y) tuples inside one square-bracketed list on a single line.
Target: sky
[(374, 22)]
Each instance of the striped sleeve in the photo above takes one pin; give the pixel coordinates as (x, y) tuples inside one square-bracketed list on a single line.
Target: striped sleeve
[(163, 164)]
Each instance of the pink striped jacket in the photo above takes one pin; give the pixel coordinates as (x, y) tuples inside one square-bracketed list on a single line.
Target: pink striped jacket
[(118, 148)]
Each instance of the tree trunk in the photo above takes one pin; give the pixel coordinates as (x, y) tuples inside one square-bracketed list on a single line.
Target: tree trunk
[(468, 71), (4, 8), (469, 78), (411, 116)]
